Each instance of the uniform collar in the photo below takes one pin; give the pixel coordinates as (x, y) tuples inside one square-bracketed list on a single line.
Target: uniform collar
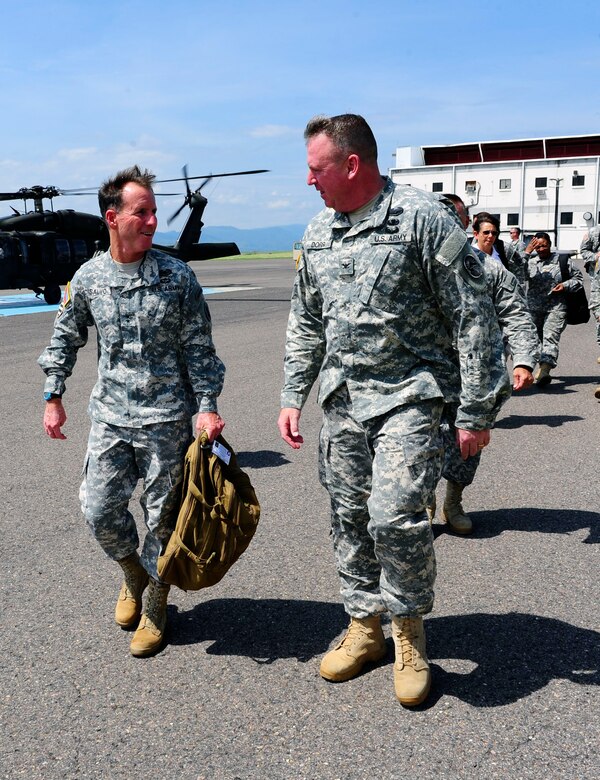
[(378, 215), (147, 276)]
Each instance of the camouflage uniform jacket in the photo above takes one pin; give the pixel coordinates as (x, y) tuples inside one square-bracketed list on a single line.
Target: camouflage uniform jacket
[(156, 358), (513, 315), (590, 250), (543, 275), (396, 308)]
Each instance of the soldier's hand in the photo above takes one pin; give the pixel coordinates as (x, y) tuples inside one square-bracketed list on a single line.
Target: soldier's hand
[(289, 427), (471, 442), (210, 422), (522, 378), (54, 418)]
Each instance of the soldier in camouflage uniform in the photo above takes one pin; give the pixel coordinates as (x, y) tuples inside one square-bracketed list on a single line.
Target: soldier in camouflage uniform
[(590, 253), (389, 311), (546, 299), (156, 368), (523, 345)]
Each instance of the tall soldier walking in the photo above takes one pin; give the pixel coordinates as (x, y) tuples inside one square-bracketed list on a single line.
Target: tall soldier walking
[(390, 311)]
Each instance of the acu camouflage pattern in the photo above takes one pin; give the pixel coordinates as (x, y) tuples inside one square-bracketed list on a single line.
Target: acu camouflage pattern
[(380, 474), (395, 308), (549, 312), (393, 317), (590, 252), (156, 358), (116, 458), (521, 338)]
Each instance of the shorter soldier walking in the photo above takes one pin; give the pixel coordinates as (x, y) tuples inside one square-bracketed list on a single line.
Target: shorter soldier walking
[(546, 293), (157, 367)]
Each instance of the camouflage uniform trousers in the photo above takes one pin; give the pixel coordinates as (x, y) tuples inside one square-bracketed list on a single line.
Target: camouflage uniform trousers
[(549, 325), (380, 475), (116, 458), (455, 468)]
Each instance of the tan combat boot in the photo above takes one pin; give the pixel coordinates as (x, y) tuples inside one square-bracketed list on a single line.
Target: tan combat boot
[(431, 509), (364, 641), (542, 375), (453, 512), (412, 676), (129, 603), (149, 634)]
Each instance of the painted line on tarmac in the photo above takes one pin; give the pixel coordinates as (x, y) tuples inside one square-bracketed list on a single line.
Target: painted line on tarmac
[(29, 303)]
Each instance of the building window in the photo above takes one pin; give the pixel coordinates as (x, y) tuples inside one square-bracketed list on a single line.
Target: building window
[(437, 186), (541, 181), (578, 181), (471, 187), (566, 217), (512, 219), (504, 184)]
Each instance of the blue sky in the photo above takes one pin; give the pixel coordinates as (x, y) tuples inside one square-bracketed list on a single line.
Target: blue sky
[(89, 87)]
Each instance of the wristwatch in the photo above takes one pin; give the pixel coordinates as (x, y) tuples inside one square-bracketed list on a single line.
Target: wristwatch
[(50, 396)]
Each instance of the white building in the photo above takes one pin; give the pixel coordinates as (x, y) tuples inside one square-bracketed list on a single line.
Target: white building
[(550, 184)]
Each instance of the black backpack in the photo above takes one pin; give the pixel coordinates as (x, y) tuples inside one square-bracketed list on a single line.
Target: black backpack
[(578, 310)]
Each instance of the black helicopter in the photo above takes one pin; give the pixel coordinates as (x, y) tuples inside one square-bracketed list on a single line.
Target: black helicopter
[(42, 249)]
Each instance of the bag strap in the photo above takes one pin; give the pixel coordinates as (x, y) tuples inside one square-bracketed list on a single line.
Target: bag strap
[(564, 267)]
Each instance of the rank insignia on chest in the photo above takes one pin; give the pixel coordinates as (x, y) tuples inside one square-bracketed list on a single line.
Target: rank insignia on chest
[(346, 266)]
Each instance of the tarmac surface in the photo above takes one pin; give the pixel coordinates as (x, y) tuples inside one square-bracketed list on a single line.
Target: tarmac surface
[(235, 694)]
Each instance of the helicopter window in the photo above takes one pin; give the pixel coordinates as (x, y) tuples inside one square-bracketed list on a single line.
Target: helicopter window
[(63, 250), (24, 250), (80, 250)]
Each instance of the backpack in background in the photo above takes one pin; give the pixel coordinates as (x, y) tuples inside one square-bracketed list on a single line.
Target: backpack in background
[(217, 518), (578, 310)]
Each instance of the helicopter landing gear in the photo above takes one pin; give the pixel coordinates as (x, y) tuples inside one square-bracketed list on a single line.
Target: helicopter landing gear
[(52, 294)]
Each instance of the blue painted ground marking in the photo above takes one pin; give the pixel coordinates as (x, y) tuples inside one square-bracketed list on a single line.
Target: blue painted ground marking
[(29, 303)]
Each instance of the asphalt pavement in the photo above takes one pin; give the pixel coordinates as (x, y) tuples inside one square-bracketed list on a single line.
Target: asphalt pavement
[(235, 693)]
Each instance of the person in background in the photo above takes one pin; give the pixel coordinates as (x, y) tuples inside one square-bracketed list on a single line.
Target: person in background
[(546, 300), (386, 286), (522, 344), (157, 367)]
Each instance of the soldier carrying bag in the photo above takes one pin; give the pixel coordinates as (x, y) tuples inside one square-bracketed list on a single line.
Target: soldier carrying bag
[(217, 519), (577, 303)]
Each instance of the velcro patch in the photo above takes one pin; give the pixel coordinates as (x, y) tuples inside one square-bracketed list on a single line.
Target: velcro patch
[(452, 247)]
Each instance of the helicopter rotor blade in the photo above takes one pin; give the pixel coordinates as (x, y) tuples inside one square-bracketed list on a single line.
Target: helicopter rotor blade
[(214, 176), (177, 213)]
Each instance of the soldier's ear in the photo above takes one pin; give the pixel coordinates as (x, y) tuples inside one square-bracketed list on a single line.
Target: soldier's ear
[(111, 218), (352, 165)]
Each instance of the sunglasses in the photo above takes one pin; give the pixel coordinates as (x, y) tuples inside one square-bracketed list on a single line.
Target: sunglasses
[(490, 232)]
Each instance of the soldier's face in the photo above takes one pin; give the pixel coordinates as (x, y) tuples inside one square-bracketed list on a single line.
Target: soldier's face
[(134, 225), (542, 248), (514, 235), (328, 172)]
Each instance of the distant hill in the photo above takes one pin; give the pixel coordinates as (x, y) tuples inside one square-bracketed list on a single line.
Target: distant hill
[(267, 239)]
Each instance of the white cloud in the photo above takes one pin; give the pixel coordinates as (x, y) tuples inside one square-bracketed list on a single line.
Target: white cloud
[(278, 204)]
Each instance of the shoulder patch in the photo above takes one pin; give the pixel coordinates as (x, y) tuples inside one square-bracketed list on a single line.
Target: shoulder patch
[(66, 301), (452, 247)]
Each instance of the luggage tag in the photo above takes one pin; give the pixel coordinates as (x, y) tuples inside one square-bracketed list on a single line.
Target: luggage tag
[(221, 452)]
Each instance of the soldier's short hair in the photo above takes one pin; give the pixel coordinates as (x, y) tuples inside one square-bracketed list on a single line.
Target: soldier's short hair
[(110, 194), (517, 229), (350, 133)]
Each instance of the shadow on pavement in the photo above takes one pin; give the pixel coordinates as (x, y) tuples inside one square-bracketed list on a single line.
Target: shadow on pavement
[(515, 654), (550, 521), (261, 459), (264, 630), (551, 420)]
